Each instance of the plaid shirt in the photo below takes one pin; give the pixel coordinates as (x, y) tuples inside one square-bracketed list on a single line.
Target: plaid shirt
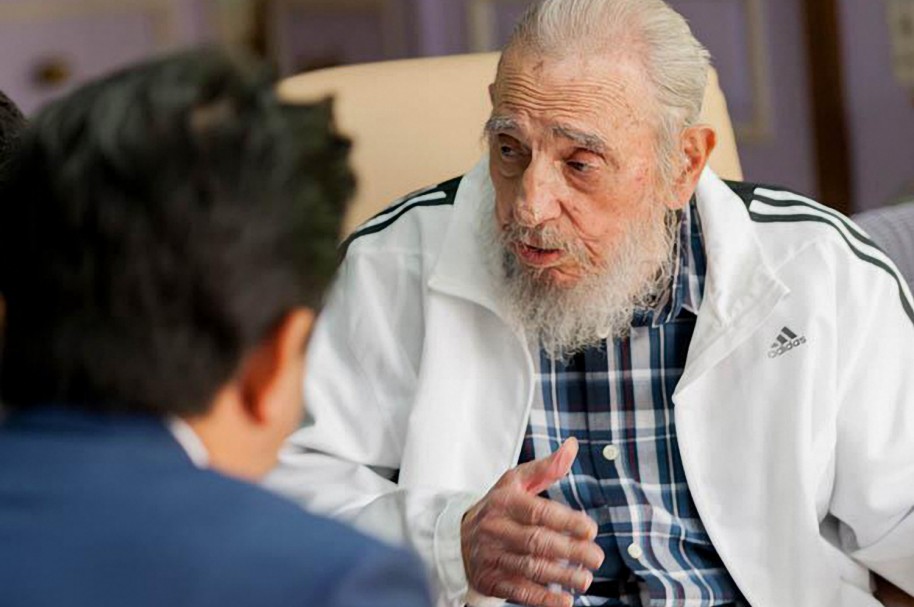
[(628, 475)]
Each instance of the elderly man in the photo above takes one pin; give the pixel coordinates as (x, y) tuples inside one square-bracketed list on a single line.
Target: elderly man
[(590, 371)]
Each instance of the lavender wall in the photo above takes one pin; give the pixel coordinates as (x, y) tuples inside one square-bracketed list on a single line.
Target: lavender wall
[(82, 46), (198, 20), (442, 27), (880, 111), (788, 158), (785, 155), (324, 45), (82, 42)]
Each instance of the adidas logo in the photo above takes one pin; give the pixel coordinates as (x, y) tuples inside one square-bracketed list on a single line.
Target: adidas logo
[(787, 341)]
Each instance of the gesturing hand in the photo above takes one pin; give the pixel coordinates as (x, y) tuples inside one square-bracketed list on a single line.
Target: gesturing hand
[(515, 544)]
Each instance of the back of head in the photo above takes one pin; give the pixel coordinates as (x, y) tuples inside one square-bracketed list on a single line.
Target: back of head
[(11, 123), (649, 31), (155, 227)]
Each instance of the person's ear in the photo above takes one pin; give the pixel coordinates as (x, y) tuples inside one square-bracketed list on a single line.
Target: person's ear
[(275, 367), (696, 144)]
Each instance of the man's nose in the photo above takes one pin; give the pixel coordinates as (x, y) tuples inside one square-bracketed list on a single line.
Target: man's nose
[(538, 199)]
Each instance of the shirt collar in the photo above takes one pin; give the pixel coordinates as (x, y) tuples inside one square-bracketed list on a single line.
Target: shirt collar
[(189, 441)]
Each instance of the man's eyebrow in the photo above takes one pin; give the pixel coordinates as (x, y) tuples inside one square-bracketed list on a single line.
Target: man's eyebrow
[(594, 143), (497, 124), (586, 140)]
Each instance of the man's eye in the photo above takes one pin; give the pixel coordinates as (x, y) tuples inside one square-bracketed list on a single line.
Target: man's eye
[(507, 151), (578, 167)]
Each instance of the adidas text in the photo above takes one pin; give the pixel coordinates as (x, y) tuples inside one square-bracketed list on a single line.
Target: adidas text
[(787, 340)]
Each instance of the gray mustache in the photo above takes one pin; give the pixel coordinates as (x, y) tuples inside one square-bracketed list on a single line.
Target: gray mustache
[(547, 237)]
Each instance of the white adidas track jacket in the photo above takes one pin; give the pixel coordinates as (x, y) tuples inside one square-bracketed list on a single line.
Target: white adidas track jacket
[(795, 412)]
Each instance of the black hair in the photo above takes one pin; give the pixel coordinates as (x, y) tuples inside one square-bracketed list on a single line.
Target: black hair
[(158, 225), (11, 123)]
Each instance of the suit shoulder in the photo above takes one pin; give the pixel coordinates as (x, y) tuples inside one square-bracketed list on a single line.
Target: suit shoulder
[(258, 519), (303, 558)]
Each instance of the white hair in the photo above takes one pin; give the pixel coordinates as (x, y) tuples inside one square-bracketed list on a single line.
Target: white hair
[(675, 63)]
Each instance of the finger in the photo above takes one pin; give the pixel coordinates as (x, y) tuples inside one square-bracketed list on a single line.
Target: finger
[(543, 571), (524, 592), (542, 473), (541, 512), (546, 543)]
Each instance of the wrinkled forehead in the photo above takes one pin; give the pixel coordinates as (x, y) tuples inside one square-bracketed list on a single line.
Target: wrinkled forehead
[(611, 91)]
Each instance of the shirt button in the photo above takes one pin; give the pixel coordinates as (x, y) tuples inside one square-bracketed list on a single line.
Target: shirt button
[(635, 551), (610, 452)]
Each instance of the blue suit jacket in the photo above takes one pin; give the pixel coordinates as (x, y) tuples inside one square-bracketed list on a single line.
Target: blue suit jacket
[(109, 511)]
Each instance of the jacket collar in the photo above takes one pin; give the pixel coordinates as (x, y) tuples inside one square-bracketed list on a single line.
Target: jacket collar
[(741, 288), (462, 269)]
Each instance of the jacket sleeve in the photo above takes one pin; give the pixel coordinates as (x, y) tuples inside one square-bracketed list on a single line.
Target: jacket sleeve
[(361, 377), (873, 493)]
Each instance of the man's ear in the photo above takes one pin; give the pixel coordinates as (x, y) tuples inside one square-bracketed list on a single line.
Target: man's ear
[(696, 144), (275, 362)]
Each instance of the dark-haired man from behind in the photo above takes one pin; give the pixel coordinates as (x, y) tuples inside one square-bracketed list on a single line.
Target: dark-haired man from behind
[(166, 235), (11, 123)]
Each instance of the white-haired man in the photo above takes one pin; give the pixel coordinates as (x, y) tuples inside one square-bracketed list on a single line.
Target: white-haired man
[(590, 371)]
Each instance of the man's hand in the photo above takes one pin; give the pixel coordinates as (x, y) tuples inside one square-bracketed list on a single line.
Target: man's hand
[(515, 544)]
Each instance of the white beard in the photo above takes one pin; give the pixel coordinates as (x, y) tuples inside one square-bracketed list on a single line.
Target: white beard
[(566, 319)]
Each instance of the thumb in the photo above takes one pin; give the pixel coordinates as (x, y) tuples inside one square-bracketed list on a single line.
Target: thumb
[(540, 474)]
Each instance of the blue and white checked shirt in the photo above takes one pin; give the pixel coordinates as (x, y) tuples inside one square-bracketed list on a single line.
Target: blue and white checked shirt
[(628, 475)]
